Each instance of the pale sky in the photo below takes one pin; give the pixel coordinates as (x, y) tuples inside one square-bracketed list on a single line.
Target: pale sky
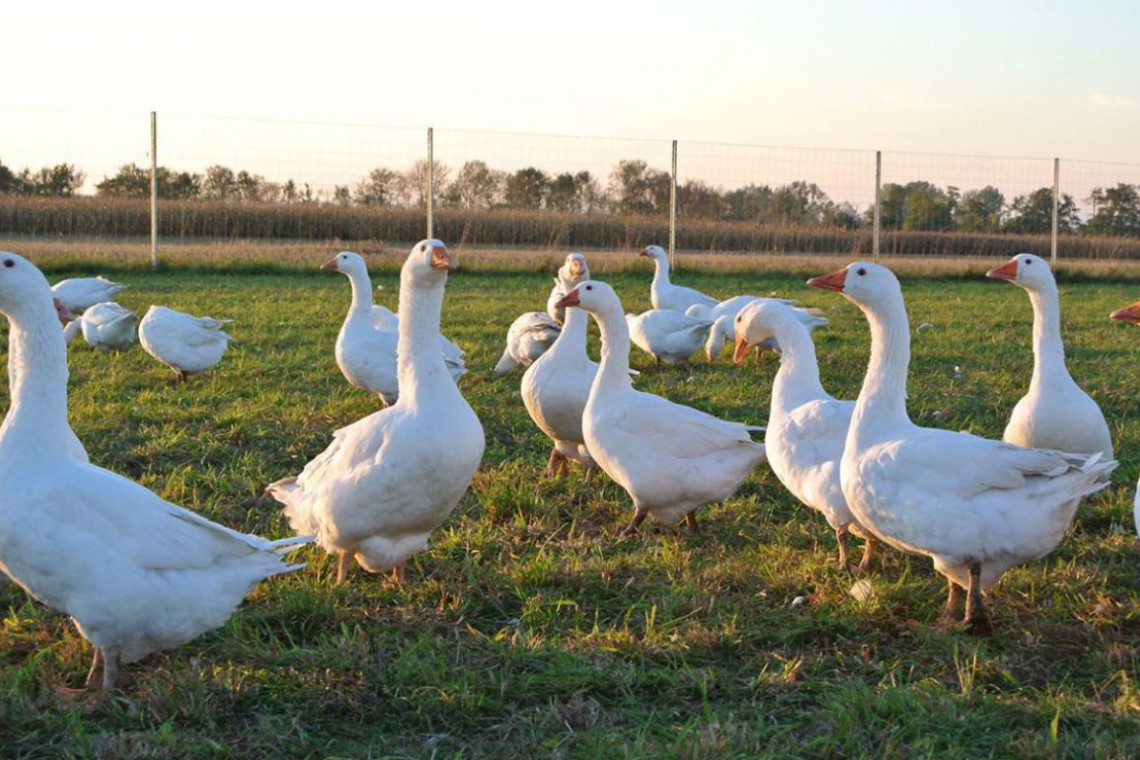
[(994, 78)]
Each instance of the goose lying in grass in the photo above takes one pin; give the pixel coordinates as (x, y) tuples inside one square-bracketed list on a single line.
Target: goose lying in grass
[(670, 458), (107, 326), (556, 387), (664, 294), (573, 270), (183, 342), (807, 428), (1055, 413), (388, 480), (528, 338), (77, 294), (366, 344), (976, 507), (136, 573), (668, 335)]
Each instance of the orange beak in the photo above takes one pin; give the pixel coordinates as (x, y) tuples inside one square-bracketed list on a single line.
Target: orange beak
[(1007, 271), (575, 267), (441, 259), (741, 350), (644, 252), (330, 265), (570, 299), (62, 311), (1130, 313), (834, 281)]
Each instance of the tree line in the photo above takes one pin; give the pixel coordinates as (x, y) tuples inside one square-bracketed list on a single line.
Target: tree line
[(632, 188)]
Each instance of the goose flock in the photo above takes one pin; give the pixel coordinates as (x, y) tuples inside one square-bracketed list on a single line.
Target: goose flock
[(164, 575)]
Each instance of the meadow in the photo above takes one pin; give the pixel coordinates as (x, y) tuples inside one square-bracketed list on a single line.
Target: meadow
[(529, 628)]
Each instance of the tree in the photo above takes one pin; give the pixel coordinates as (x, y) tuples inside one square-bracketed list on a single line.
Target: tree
[(133, 181), (526, 188), (11, 182), (980, 210), (700, 200), (476, 186), (752, 203), (1116, 211), (799, 202), (638, 189), (1032, 213), (62, 180), (382, 187), (220, 184), (415, 187), (916, 205)]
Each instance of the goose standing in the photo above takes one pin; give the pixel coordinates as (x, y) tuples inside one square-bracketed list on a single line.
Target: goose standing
[(1055, 413), (667, 334), (556, 387), (183, 342), (670, 458), (528, 338), (107, 326), (573, 270), (807, 428), (664, 294), (136, 573), (366, 344), (976, 507), (1131, 313), (388, 480), (77, 294)]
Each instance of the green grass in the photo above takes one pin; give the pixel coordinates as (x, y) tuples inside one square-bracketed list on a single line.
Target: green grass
[(528, 629)]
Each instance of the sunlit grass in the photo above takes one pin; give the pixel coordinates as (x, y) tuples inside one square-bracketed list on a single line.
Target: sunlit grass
[(528, 628)]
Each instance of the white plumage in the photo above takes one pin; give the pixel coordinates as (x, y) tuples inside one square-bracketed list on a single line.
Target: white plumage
[(108, 326), (668, 335), (80, 293), (665, 295), (572, 271), (528, 337), (183, 342)]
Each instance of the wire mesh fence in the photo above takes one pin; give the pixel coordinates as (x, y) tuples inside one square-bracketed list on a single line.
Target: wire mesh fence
[(222, 177)]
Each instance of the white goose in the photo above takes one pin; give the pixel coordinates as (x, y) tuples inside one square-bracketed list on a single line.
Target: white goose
[(1055, 413), (668, 335), (80, 293), (573, 270), (1131, 313), (388, 480), (670, 458), (724, 321), (807, 428), (183, 342), (528, 338), (976, 507), (556, 386), (664, 294), (366, 344), (136, 573), (107, 326)]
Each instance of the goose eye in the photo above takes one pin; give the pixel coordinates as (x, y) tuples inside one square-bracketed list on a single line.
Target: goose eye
[(589, 287), (861, 272), (9, 263), (1027, 262)]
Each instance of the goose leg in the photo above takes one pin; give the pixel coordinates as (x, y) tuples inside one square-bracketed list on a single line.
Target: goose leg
[(950, 612), (635, 523), (96, 667), (977, 616), (110, 668), (841, 539), (564, 467), (342, 567), (398, 574), (691, 523), (868, 552), (554, 464)]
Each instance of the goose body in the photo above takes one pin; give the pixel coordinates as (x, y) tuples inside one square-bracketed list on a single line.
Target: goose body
[(723, 328), (366, 344), (109, 326), (1131, 313), (528, 337), (670, 458), (77, 294), (807, 428), (136, 573), (667, 334), (183, 342), (976, 507), (388, 480), (556, 387), (663, 294), (1055, 413)]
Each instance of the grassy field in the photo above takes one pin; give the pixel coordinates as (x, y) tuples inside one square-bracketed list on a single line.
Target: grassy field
[(528, 629)]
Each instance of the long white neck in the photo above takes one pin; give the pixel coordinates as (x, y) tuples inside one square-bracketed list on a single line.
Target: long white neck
[(361, 293), (882, 400), (572, 340), (660, 276), (1048, 349), (797, 382), (420, 370), (37, 371), (613, 374)]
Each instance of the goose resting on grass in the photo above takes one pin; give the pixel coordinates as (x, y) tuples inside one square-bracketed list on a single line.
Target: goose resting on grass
[(670, 458), (136, 573), (976, 507)]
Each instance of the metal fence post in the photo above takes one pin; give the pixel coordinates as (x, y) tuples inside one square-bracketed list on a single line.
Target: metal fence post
[(430, 185), (1056, 198), (878, 188), (673, 210), (153, 190)]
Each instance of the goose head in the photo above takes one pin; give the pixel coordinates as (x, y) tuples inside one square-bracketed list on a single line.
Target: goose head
[(428, 263), (1029, 271), (866, 284), (655, 252), (574, 270), (24, 291), (594, 296), (346, 262), (1130, 313), (756, 326)]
